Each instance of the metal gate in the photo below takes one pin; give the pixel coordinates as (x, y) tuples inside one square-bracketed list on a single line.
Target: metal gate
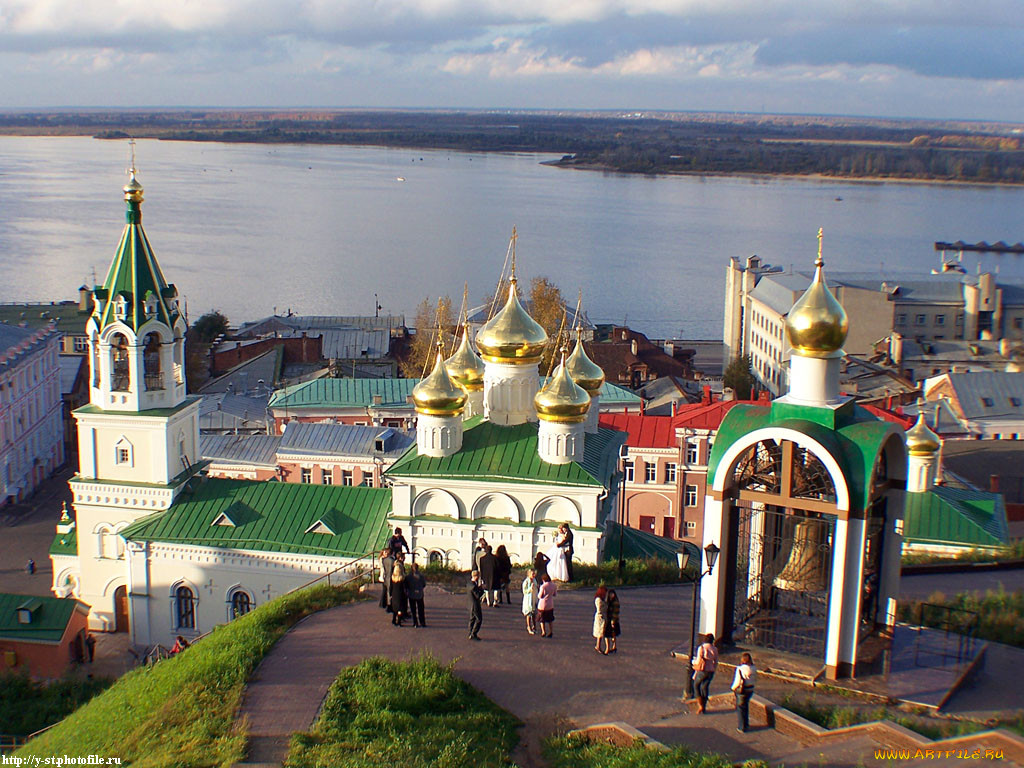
[(783, 570)]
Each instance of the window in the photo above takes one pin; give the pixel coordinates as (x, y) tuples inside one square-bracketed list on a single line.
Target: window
[(1018, 323), (650, 472), (326, 477), (647, 523), (670, 472), (346, 477), (960, 318), (241, 604), (123, 456), (940, 319), (901, 318), (184, 608), (920, 319), (691, 496), (988, 402), (81, 344), (692, 451), (367, 480), (1015, 402), (627, 467), (306, 475), (691, 527)]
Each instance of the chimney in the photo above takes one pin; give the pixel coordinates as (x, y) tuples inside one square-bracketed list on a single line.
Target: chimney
[(378, 399), (993, 483), (728, 394), (84, 299), (674, 403), (706, 397)]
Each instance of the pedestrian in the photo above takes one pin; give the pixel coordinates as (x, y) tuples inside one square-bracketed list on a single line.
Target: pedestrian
[(540, 565), (480, 551), (503, 573), (613, 628), (415, 583), (601, 619), (530, 588), (489, 575), (180, 644), (476, 613), (90, 646), (30, 567), (743, 686), (704, 665), (387, 564), (397, 543), (399, 600), (546, 606), (565, 544)]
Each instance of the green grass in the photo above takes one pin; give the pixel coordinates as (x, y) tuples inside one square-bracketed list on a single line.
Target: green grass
[(1000, 613), (636, 572), (181, 711), (1014, 551), (415, 714), (26, 706), (579, 752)]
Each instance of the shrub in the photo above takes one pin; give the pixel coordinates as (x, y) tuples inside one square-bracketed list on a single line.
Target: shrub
[(26, 706), (1000, 613), (580, 752)]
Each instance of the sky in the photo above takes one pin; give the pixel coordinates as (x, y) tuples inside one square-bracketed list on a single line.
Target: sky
[(906, 58)]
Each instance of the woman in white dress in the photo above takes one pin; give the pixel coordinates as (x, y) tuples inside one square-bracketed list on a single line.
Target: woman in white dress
[(557, 569)]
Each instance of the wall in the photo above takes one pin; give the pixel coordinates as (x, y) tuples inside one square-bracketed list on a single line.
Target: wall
[(46, 660)]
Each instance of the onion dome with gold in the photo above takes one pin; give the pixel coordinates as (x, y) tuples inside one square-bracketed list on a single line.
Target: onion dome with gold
[(582, 369), (512, 336), (438, 395), (562, 400), (465, 367), (817, 325), (921, 441)]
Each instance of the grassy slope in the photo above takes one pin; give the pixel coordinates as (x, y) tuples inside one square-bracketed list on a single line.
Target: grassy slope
[(575, 752), (415, 714), (182, 710), (1000, 614)]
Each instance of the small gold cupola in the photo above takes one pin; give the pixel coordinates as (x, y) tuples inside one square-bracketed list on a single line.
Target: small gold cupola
[(465, 367), (512, 337), (437, 394), (582, 369), (562, 400), (921, 441), (817, 325)]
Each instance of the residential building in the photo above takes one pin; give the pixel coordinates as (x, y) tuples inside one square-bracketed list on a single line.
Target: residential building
[(949, 305), (67, 317), (41, 636), (629, 359), (31, 426), (989, 403)]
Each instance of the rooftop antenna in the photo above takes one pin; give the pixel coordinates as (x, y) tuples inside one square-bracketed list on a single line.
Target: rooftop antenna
[(131, 168), (463, 317), (510, 254), (376, 306)]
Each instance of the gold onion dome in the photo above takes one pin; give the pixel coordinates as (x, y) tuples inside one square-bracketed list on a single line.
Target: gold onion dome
[(817, 325), (921, 441), (583, 370), (465, 367), (512, 336), (562, 400), (438, 395), (133, 189)]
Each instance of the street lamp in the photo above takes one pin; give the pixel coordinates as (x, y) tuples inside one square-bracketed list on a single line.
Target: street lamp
[(711, 555)]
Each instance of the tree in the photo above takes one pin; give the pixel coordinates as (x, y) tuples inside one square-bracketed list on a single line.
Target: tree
[(547, 307), (739, 377), (198, 339), (210, 326), (422, 346)]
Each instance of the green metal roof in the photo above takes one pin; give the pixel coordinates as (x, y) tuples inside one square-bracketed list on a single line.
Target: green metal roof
[(50, 616), (955, 517), (65, 543), (637, 544), (493, 453), (272, 517), (162, 413), (135, 275), (68, 318), (854, 444), (321, 394)]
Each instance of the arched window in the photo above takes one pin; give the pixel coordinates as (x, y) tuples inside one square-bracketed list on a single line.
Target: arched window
[(179, 359), (241, 603), (151, 362), (94, 342), (184, 608), (121, 381), (435, 557)]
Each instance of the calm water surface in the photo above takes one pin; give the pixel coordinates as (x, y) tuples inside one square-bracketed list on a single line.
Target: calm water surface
[(247, 228)]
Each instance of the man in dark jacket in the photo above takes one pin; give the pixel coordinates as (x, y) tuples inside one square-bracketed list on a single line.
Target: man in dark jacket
[(397, 544), (415, 583), (387, 563), (566, 547), (489, 575), (476, 613)]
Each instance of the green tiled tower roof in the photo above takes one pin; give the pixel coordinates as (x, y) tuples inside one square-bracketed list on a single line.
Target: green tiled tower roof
[(135, 274)]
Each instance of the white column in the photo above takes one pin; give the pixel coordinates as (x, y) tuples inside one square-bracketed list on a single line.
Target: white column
[(438, 436), (814, 380), (711, 613), (509, 391), (139, 598), (590, 426), (560, 443), (844, 597), (474, 404), (892, 550), (921, 472)]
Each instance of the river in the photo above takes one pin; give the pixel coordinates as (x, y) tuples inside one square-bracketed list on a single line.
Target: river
[(247, 228)]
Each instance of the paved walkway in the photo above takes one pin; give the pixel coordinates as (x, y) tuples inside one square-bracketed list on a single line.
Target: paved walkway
[(549, 684)]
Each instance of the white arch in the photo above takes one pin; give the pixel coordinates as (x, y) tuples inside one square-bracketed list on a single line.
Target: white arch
[(727, 462), (118, 327), (496, 505), (111, 586), (559, 509), (435, 501), (154, 325), (184, 583)]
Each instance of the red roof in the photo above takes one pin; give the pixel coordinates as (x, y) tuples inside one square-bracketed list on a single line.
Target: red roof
[(706, 415), (644, 431), (896, 418)]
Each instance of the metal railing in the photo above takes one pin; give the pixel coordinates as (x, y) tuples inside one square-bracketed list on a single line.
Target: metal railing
[(9, 742), (332, 578)]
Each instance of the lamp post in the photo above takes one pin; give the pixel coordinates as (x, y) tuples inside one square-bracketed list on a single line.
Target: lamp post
[(623, 455), (711, 555)]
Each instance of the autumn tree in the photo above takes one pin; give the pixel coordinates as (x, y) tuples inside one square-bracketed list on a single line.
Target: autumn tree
[(421, 348), (739, 377)]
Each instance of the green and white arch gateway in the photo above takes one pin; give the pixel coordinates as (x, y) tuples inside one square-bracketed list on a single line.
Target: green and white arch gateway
[(806, 503)]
